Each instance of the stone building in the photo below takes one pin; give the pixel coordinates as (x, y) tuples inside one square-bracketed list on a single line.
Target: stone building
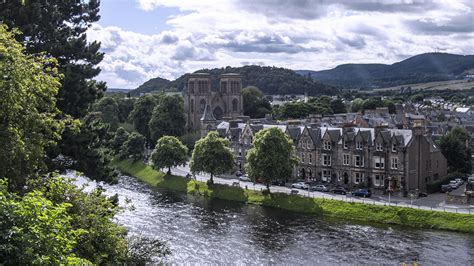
[(403, 160), (205, 105)]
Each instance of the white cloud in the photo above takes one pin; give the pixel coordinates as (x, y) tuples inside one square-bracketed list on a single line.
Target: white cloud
[(297, 34)]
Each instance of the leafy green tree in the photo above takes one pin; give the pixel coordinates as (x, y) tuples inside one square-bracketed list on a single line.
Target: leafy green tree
[(142, 113), (121, 135), (372, 103), (357, 105), (390, 105), (167, 118), (295, 110), (169, 152), (254, 103), (212, 155), (125, 107), (455, 147), (108, 107), (133, 147), (59, 28), (271, 157), (34, 230), (338, 106), (28, 115)]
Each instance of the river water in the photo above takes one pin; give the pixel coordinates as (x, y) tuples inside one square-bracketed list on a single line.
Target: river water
[(203, 230)]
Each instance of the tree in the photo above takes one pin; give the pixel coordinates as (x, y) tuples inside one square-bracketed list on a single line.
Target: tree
[(338, 106), (121, 135), (59, 28), (28, 116), (212, 155), (271, 157), (141, 114), (254, 103), (108, 107), (390, 105), (357, 105), (133, 147), (169, 152), (167, 118), (455, 147), (125, 106)]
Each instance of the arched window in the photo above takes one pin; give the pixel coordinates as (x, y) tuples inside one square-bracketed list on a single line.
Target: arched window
[(224, 87), (191, 86), (192, 106), (235, 104), (202, 105)]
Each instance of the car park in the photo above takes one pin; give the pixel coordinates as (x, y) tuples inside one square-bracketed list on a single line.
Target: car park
[(300, 185), (339, 190), (362, 192), (321, 188)]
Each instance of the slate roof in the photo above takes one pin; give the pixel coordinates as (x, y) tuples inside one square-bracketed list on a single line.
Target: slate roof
[(207, 115)]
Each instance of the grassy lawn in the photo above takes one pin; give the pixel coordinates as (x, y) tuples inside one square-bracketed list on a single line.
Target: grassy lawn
[(334, 208)]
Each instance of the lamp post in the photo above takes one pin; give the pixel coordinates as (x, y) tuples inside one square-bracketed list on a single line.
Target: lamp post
[(389, 189)]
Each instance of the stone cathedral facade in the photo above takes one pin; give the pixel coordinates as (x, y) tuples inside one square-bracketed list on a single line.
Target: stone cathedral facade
[(205, 105)]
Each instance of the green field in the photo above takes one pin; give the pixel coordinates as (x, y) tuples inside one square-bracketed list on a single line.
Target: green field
[(459, 84), (333, 208)]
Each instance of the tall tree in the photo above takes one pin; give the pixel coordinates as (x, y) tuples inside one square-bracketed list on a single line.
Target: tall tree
[(271, 157), (108, 107), (133, 147), (338, 106), (255, 105), (455, 147), (169, 152), (167, 118), (141, 114), (121, 135), (28, 115), (212, 155), (59, 28)]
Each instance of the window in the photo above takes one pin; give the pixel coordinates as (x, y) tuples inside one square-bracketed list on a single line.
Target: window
[(191, 86), (358, 161), (223, 86), (326, 160), (326, 175), (359, 145), (310, 158), (240, 151), (379, 180), (192, 106), (394, 163), (202, 104), (346, 159), (394, 147), (359, 178), (379, 162), (235, 104), (346, 146), (378, 146), (327, 145), (308, 144), (302, 157)]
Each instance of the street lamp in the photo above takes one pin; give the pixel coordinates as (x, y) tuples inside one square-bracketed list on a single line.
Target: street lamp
[(389, 189)]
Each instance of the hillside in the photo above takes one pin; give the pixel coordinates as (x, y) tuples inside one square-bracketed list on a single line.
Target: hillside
[(271, 80), (417, 69)]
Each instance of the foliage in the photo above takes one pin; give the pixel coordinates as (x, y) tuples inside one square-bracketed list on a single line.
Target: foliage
[(133, 147), (357, 105), (212, 154), (455, 148), (109, 110), (28, 116), (90, 148), (255, 105), (271, 156), (62, 35), (189, 139), (169, 152), (125, 107), (121, 135), (167, 118), (338, 106), (142, 113), (34, 230)]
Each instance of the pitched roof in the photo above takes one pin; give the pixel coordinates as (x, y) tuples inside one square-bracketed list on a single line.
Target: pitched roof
[(207, 115)]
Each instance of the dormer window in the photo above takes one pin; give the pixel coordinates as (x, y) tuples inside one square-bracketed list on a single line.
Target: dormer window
[(378, 146), (327, 145), (394, 147), (344, 143), (359, 145)]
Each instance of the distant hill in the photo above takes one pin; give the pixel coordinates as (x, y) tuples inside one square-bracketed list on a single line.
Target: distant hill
[(271, 80), (417, 69)]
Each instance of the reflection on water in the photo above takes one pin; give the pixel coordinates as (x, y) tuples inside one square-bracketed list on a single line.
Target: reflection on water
[(204, 230)]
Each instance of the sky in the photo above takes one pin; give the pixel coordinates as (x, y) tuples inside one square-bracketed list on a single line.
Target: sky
[(144, 39)]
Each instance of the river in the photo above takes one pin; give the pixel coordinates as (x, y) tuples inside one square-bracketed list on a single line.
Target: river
[(203, 230)]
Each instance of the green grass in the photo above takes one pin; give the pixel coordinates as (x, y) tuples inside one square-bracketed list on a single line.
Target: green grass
[(333, 208)]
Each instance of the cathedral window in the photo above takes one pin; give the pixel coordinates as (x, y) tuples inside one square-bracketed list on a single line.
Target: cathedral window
[(191, 86), (192, 106), (202, 105), (235, 104), (224, 87)]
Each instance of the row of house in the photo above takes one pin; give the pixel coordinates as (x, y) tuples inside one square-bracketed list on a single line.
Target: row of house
[(402, 160)]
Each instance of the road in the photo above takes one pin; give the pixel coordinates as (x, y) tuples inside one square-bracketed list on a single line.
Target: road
[(432, 202)]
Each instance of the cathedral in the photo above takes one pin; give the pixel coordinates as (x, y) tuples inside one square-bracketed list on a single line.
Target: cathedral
[(205, 105)]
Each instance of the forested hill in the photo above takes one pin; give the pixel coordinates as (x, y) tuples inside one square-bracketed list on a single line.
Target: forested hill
[(417, 69), (271, 80)]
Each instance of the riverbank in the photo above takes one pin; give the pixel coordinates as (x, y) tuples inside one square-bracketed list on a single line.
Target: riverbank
[(328, 207)]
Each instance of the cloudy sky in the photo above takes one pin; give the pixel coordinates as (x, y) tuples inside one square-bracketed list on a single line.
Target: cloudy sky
[(143, 39)]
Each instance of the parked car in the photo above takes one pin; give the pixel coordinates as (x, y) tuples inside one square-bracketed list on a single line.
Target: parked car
[(278, 183), (321, 188), (300, 185), (362, 192), (422, 194), (470, 180), (339, 190), (244, 178), (453, 184), (446, 188), (459, 180)]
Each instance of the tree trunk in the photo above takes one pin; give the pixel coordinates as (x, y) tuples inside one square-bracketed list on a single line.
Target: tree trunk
[(212, 179), (169, 171)]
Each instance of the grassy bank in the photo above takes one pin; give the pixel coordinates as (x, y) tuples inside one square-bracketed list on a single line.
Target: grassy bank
[(334, 208)]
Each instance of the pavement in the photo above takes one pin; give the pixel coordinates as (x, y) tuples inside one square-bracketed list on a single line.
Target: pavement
[(435, 202)]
